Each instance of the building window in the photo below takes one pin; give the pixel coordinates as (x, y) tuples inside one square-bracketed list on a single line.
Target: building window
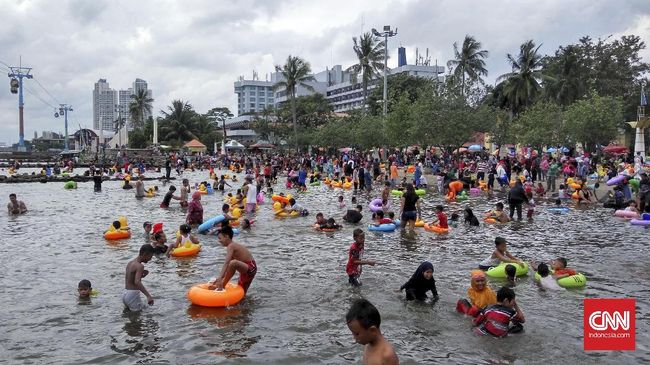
[(252, 105)]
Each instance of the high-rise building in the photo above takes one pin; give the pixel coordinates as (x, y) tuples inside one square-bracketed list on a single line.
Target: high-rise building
[(109, 103), (253, 96), (104, 100)]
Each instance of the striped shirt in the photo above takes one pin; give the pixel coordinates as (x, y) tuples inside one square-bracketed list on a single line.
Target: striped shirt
[(495, 320)]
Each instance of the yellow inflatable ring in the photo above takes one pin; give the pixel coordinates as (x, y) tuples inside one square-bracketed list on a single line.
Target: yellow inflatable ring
[(286, 215), (201, 295), (186, 250), (419, 223), (435, 229), (117, 234)]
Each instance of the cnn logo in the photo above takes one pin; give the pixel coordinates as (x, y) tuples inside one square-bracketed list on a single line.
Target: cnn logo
[(609, 324), (602, 321)]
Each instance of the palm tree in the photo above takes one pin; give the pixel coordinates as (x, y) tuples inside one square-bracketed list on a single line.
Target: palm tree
[(569, 82), (523, 84), (139, 106), (177, 123), (295, 72), (469, 61), (370, 54)]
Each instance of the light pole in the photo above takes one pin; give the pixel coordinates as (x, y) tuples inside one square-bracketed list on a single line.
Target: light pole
[(386, 33)]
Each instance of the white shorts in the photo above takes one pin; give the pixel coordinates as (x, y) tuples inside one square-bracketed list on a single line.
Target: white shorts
[(132, 300)]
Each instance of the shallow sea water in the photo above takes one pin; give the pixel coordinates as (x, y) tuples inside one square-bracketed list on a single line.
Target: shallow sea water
[(295, 309)]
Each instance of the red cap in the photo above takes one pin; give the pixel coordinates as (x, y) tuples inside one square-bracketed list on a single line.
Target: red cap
[(157, 228)]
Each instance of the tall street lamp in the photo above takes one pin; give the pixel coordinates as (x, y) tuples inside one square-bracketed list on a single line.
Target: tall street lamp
[(386, 33)]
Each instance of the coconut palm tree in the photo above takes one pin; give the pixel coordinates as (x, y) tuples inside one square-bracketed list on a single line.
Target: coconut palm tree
[(468, 61), (177, 123), (370, 54), (523, 84), (139, 106), (295, 72)]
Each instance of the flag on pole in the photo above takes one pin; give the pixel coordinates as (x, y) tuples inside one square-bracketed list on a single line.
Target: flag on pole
[(644, 101)]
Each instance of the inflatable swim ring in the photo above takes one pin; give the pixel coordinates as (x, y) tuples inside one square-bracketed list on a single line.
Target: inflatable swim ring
[(640, 222), (205, 226), (388, 227), (201, 295), (418, 223), (396, 193), (288, 215), (499, 271), (561, 210), (615, 180), (574, 281), (462, 197), (474, 191), (625, 214), (260, 197), (375, 205), (420, 192), (347, 185), (335, 184), (189, 249), (117, 234), (315, 183), (435, 228), (280, 198), (70, 185)]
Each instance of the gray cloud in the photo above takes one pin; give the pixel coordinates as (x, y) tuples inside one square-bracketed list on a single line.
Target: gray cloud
[(194, 50)]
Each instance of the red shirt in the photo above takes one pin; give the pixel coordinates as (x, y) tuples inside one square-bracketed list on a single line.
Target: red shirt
[(354, 254), (495, 320), (385, 221), (442, 220)]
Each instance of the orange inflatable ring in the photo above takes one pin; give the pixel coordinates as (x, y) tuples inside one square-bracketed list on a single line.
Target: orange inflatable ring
[(490, 221), (410, 169), (456, 186), (575, 186), (575, 196), (435, 228), (186, 250), (280, 198), (117, 234), (201, 295), (347, 185)]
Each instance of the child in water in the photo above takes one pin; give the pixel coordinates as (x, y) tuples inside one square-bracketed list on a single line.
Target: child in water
[(380, 218), (511, 275), (453, 220), (441, 217), (499, 255), (184, 239), (341, 202), (559, 266), (330, 224), (479, 295), (355, 258), (498, 214), (420, 283), (363, 320), (531, 205), (158, 243), (546, 281), (85, 289), (496, 319)]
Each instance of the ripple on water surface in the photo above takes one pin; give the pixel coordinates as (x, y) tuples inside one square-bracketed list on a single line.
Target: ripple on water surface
[(295, 310)]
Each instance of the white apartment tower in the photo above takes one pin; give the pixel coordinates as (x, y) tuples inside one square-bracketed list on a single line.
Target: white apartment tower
[(104, 100)]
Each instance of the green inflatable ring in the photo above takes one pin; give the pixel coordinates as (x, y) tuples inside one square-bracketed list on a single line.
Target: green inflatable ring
[(500, 270), (315, 183), (70, 185), (420, 192), (574, 281), (396, 193)]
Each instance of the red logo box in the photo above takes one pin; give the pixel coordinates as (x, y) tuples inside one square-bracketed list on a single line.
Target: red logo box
[(609, 324)]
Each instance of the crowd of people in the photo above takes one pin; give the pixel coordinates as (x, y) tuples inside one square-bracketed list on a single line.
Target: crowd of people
[(522, 178)]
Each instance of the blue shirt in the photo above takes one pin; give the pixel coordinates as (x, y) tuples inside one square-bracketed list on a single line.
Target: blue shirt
[(302, 176)]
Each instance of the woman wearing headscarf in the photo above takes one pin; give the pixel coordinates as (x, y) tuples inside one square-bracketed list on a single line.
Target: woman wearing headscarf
[(195, 210), (479, 295), (420, 283)]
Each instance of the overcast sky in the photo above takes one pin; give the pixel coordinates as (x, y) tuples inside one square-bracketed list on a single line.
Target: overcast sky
[(195, 50)]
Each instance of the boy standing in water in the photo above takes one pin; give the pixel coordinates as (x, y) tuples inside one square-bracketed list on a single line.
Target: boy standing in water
[(238, 258), (363, 320), (133, 280), (355, 257)]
